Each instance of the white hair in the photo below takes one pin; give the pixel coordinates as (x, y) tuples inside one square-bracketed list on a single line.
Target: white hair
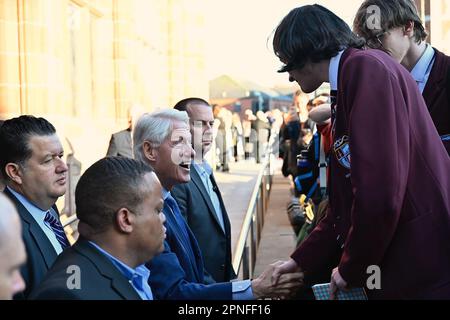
[(155, 127)]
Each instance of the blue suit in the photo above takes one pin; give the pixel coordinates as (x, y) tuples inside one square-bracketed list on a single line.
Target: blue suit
[(178, 272)]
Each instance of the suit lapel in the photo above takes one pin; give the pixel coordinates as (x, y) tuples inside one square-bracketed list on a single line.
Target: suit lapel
[(195, 177), (436, 81), (188, 245), (226, 221), (30, 225), (118, 282)]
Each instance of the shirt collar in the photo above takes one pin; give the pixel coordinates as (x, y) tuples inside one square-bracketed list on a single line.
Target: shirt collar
[(334, 69), (128, 272), (203, 168), (35, 211), (421, 68), (165, 193)]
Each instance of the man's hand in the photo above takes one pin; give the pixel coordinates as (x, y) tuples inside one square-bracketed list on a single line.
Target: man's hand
[(337, 283), (282, 267), (288, 283)]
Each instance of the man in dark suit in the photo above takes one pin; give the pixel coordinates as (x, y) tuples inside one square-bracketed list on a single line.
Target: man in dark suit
[(200, 200), (12, 250), (163, 140), (35, 175), (402, 35), (121, 227), (389, 173)]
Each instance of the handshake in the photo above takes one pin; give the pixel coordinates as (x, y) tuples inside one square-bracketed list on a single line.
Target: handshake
[(278, 281)]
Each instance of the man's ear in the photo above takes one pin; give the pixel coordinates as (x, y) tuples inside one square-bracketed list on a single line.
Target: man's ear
[(408, 29), (125, 220), (14, 172), (150, 151)]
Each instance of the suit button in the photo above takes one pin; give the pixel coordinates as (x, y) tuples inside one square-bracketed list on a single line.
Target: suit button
[(338, 218), (222, 267)]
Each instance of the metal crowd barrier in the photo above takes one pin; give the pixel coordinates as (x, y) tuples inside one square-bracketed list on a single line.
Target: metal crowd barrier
[(70, 220), (250, 235)]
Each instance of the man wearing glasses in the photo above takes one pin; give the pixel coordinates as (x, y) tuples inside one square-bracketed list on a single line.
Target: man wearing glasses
[(402, 35)]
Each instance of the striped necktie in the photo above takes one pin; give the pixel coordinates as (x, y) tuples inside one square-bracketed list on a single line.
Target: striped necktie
[(57, 230), (333, 98)]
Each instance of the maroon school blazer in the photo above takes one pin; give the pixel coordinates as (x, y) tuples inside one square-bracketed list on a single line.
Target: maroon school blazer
[(389, 186)]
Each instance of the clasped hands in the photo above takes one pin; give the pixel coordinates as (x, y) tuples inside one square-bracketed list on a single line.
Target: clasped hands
[(282, 270)]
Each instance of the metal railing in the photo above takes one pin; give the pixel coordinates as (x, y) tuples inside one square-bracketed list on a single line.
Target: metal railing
[(70, 220), (250, 235)]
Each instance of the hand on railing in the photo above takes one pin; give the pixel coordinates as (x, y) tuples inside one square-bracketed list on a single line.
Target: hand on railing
[(286, 285)]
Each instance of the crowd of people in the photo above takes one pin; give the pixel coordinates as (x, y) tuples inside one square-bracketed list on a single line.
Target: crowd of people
[(371, 155), (241, 138)]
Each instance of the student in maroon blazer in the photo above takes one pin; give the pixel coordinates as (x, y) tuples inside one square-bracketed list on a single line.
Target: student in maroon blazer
[(389, 173), (402, 35)]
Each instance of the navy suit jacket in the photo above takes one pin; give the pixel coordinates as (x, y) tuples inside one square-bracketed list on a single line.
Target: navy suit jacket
[(215, 243), (99, 278), (178, 272), (40, 252)]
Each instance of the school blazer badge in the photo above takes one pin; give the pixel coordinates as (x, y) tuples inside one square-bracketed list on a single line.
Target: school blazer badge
[(342, 151)]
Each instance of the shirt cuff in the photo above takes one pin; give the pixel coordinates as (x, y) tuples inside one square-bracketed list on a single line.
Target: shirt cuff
[(242, 290)]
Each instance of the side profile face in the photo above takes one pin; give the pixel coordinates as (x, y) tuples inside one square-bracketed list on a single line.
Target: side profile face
[(12, 252), (173, 157), (42, 179), (149, 231), (309, 77), (201, 127), (395, 42)]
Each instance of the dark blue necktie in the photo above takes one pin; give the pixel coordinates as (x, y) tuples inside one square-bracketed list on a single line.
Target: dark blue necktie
[(190, 243), (57, 230), (173, 206), (333, 98), (185, 237)]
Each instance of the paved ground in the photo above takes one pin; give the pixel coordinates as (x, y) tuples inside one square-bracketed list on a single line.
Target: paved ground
[(237, 187), (277, 240)]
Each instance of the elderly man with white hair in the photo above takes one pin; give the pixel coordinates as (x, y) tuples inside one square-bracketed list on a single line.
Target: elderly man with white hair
[(163, 140)]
